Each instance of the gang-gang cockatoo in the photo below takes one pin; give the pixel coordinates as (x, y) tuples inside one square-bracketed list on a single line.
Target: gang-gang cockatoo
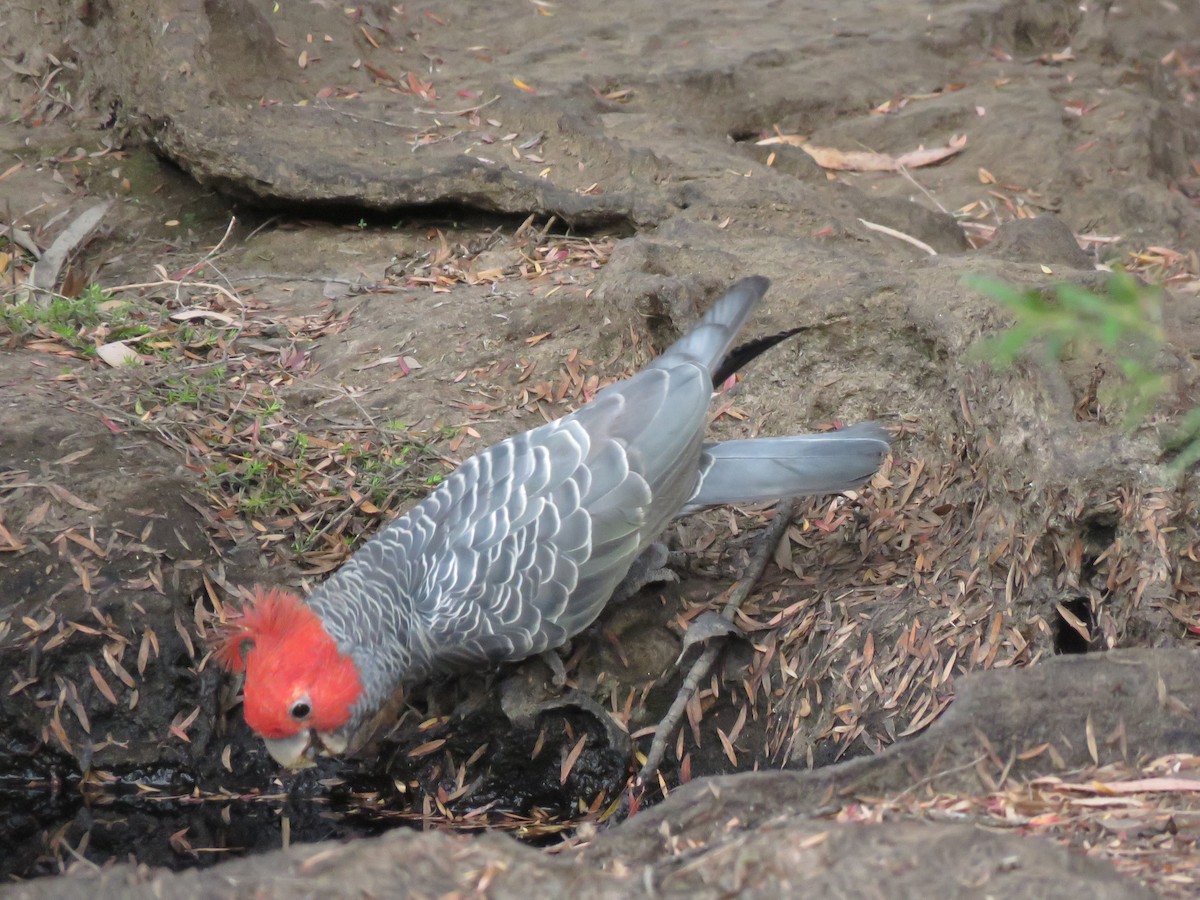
[(523, 545)]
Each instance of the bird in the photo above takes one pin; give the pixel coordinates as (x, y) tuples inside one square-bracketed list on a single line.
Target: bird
[(522, 545)]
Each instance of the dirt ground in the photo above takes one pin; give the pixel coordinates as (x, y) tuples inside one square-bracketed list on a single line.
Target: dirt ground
[(351, 245)]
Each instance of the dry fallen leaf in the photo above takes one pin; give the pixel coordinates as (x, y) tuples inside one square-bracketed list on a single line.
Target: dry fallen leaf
[(869, 161), (573, 757), (118, 353), (426, 748), (188, 315), (791, 140)]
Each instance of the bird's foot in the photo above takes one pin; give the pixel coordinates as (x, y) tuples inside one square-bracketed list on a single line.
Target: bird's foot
[(652, 567), (554, 662), (704, 628)]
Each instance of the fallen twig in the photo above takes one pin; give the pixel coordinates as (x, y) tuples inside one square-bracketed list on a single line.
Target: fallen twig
[(899, 235), (763, 551), (458, 112), (178, 284)]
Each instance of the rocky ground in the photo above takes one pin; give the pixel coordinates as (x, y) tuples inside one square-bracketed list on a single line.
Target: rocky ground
[(349, 246)]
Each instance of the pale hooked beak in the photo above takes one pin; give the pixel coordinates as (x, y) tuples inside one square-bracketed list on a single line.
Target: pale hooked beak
[(300, 751)]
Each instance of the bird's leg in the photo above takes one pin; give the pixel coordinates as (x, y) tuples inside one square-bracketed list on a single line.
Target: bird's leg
[(652, 567), (553, 659)]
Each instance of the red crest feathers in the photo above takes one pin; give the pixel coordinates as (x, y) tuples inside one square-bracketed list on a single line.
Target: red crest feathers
[(270, 615), (280, 644)]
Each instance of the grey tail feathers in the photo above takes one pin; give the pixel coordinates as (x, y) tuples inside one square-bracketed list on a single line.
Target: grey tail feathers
[(763, 469), (710, 339)]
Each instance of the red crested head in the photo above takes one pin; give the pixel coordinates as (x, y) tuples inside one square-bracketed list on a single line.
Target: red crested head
[(296, 677)]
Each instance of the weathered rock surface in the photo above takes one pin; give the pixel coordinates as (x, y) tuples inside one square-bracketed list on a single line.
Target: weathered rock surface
[(1010, 493)]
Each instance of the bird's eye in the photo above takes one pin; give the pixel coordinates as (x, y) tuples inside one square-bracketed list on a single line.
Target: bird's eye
[(300, 708)]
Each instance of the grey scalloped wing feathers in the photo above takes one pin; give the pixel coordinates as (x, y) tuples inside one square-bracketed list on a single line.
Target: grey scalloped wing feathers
[(523, 545)]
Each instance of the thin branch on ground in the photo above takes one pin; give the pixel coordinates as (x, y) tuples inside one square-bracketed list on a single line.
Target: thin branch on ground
[(903, 170), (899, 235), (178, 284), (763, 551)]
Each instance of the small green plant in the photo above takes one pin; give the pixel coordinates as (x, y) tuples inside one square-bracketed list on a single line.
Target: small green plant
[(293, 479), (188, 389), (64, 316), (196, 339), (1125, 322), (80, 322), (254, 469)]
